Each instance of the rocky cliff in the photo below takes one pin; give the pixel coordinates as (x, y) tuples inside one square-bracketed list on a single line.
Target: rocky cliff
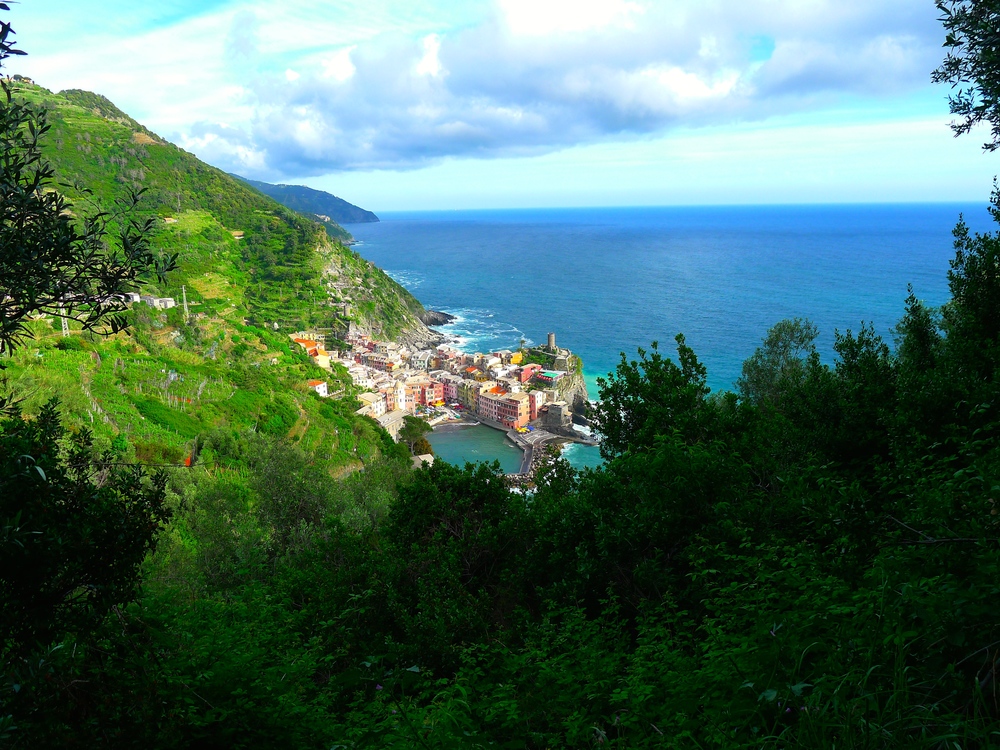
[(572, 388)]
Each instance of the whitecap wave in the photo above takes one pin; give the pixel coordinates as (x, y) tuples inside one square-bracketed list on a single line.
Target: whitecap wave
[(480, 330), (407, 279)]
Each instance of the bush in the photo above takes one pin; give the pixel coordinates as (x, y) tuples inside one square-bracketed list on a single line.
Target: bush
[(71, 344)]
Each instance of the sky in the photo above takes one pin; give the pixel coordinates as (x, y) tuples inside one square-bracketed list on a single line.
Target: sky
[(435, 104)]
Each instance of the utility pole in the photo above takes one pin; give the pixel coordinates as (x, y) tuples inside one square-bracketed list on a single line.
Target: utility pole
[(185, 296)]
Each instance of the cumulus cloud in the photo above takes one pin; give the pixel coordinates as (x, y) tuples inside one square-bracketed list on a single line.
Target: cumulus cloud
[(530, 76)]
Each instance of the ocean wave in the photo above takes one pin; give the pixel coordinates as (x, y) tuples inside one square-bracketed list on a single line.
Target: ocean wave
[(407, 279), (479, 330)]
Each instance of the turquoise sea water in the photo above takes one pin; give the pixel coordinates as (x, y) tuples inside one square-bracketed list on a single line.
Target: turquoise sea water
[(611, 280), (476, 443)]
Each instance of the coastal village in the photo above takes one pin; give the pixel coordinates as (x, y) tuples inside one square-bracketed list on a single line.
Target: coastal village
[(505, 389), (536, 395)]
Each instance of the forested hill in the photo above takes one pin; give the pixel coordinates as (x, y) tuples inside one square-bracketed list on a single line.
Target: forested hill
[(317, 202), (235, 244), (251, 271)]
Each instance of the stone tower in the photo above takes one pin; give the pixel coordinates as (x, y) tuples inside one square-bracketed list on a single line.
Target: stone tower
[(552, 342)]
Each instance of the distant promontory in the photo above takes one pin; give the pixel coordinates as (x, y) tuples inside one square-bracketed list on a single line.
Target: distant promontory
[(317, 202)]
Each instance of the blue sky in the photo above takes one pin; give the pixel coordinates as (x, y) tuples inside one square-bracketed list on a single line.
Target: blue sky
[(426, 104)]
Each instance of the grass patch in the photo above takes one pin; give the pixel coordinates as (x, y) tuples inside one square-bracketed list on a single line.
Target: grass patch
[(171, 419)]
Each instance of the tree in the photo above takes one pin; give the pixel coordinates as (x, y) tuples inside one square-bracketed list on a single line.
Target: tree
[(779, 364), (74, 526), (651, 396), (971, 65), (413, 431), (74, 529), (50, 262)]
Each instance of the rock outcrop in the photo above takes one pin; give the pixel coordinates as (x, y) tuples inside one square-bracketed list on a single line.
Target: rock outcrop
[(436, 318), (573, 389), (420, 337)]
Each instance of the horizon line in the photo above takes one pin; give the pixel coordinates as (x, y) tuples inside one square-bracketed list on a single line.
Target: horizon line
[(606, 207)]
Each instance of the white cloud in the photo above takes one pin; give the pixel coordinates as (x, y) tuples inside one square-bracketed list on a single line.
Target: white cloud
[(430, 63), (783, 162), (373, 84), (546, 17), (338, 66)]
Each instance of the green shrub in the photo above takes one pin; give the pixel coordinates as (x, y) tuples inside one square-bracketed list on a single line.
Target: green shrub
[(71, 344), (157, 453)]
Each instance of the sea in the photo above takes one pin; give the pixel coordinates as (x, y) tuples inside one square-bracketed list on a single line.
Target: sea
[(609, 281)]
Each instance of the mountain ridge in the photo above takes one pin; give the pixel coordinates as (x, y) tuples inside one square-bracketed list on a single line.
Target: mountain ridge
[(288, 269), (328, 208)]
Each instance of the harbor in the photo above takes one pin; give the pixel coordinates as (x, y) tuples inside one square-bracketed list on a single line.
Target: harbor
[(519, 453)]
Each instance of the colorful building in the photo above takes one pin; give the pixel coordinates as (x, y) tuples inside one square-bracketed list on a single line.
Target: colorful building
[(372, 404), (393, 422), (536, 399), (469, 390), (549, 377), (449, 387), (509, 409), (528, 372), (432, 393)]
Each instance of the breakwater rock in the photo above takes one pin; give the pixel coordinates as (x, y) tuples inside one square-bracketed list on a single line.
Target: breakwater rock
[(420, 337)]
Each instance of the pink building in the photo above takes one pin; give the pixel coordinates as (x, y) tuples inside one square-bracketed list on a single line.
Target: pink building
[(449, 389), (528, 372), (488, 404)]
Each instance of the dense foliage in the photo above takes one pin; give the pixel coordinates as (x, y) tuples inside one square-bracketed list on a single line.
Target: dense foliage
[(809, 562)]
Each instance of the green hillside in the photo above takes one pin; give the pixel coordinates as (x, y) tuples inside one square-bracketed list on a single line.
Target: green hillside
[(252, 272), (237, 248)]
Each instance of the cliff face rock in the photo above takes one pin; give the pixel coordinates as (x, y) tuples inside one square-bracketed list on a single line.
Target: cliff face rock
[(436, 318), (419, 337), (573, 388)]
